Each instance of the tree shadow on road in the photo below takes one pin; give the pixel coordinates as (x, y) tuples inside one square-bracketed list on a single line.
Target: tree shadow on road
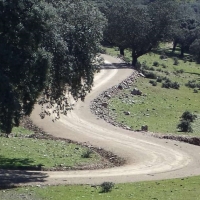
[(14, 171), (10, 178)]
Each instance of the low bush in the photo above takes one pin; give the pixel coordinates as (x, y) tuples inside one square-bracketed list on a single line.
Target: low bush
[(185, 122), (169, 84), (163, 65), (163, 57), (107, 187), (192, 84), (160, 79), (185, 126), (156, 63), (150, 75), (187, 115), (195, 91), (152, 69), (176, 62), (154, 83), (87, 153)]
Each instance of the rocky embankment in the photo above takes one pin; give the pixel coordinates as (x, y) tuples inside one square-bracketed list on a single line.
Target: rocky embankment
[(99, 106)]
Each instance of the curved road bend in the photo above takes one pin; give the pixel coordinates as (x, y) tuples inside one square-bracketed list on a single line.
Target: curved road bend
[(148, 158)]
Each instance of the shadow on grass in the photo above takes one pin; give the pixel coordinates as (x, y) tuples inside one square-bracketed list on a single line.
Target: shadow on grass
[(18, 164), (11, 178), (116, 66), (193, 73), (170, 54)]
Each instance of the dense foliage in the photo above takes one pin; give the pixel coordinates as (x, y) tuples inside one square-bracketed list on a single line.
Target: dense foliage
[(138, 25), (47, 49)]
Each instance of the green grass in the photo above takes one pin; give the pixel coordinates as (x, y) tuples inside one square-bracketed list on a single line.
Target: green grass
[(161, 108), (176, 189), (18, 131), (30, 153)]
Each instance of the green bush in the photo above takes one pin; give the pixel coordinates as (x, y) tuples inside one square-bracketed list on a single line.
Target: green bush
[(187, 115), (87, 153), (195, 91), (185, 126), (176, 62), (185, 123), (107, 187), (159, 79), (163, 65), (154, 83), (192, 84), (169, 84), (150, 75), (156, 63)]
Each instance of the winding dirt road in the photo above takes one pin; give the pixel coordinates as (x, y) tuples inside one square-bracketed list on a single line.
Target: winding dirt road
[(148, 158)]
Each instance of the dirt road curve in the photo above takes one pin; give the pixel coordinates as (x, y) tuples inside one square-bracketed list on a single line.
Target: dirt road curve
[(148, 158)]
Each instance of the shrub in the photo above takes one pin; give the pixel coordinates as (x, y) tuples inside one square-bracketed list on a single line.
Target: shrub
[(187, 115), (176, 62), (163, 65), (180, 71), (195, 91), (191, 84), (126, 59), (152, 69), (169, 84), (150, 75), (167, 73), (158, 70), (87, 153), (154, 83), (185, 126), (159, 79), (106, 187), (156, 63), (175, 85), (163, 57), (166, 84)]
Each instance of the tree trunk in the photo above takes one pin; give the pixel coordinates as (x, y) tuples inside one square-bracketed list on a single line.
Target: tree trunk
[(174, 46), (182, 51), (134, 61), (121, 51)]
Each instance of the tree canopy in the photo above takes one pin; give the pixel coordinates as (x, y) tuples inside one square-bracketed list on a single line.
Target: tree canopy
[(138, 25), (47, 49)]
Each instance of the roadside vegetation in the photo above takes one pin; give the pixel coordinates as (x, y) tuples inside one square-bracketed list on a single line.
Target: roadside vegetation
[(167, 93), (21, 152), (175, 189)]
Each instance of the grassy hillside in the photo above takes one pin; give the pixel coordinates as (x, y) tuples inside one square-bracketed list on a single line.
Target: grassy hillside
[(160, 108)]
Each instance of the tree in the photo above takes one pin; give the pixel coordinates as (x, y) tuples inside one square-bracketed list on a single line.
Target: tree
[(47, 49), (195, 49), (186, 30), (139, 27), (148, 26)]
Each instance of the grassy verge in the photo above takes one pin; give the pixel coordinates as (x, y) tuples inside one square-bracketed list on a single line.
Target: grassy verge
[(27, 153), (161, 108), (176, 189), (19, 152)]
